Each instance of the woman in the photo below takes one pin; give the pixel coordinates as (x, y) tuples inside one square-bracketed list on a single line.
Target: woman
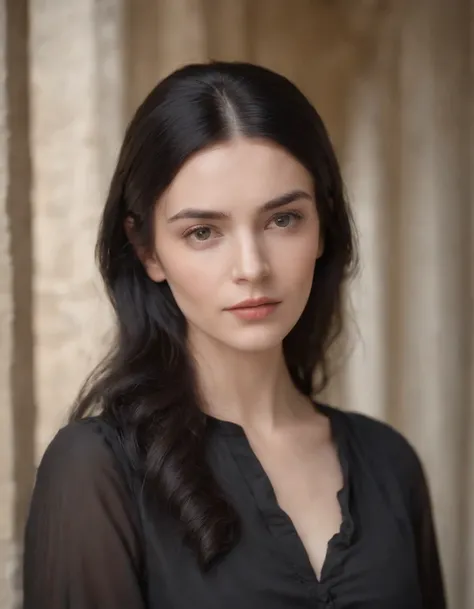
[(196, 470)]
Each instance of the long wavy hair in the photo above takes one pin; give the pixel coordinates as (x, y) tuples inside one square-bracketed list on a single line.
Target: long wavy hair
[(147, 386)]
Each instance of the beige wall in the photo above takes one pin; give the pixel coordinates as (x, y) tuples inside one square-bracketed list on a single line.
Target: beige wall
[(393, 81)]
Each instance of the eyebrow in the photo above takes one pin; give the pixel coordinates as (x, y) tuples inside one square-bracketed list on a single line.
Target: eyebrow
[(204, 214)]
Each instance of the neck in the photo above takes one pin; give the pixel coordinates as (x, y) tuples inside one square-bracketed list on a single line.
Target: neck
[(253, 390)]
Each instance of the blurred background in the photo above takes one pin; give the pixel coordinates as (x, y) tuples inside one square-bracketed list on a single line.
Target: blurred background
[(393, 80)]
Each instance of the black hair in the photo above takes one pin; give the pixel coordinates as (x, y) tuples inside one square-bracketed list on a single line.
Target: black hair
[(147, 384)]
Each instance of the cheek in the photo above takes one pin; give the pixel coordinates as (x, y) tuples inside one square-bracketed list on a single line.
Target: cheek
[(191, 280), (295, 263)]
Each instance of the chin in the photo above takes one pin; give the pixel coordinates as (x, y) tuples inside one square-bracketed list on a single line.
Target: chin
[(256, 339)]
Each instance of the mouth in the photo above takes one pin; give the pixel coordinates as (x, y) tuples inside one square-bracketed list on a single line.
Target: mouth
[(254, 309), (252, 303)]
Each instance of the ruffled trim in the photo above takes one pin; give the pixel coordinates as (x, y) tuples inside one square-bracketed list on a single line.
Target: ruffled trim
[(342, 540)]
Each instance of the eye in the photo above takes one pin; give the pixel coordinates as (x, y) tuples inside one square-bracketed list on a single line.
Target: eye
[(286, 220), (200, 234)]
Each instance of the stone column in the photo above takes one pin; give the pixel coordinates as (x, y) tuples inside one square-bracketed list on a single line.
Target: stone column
[(433, 260), (6, 342), (76, 112), (17, 412), (162, 35), (370, 169), (468, 496)]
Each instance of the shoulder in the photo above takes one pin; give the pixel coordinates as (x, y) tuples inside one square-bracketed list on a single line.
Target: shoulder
[(380, 434), (88, 447), (384, 445), (84, 438)]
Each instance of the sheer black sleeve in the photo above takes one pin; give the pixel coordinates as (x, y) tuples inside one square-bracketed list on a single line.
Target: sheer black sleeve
[(82, 548), (429, 565)]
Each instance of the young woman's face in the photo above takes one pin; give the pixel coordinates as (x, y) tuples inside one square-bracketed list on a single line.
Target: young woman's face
[(238, 223)]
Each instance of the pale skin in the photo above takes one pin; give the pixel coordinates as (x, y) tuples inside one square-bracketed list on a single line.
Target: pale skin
[(239, 221)]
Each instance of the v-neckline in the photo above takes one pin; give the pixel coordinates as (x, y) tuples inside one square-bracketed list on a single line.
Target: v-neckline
[(283, 534)]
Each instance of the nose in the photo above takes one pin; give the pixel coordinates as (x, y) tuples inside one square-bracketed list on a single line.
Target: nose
[(250, 261)]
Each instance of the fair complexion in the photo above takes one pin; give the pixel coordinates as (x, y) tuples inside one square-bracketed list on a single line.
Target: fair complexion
[(239, 222)]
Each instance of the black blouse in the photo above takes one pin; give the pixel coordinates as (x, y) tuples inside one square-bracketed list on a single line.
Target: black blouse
[(90, 545)]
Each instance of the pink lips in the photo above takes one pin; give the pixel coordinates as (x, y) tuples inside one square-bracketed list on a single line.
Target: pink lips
[(254, 309)]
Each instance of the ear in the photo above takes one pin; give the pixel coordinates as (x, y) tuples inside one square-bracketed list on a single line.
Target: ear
[(149, 259)]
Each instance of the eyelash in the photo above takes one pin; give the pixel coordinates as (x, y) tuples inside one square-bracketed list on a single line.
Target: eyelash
[(295, 215)]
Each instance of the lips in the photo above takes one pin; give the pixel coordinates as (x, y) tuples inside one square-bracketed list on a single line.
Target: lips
[(254, 309), (252, 303)]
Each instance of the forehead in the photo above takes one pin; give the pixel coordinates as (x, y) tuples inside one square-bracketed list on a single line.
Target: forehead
[(244, 171)]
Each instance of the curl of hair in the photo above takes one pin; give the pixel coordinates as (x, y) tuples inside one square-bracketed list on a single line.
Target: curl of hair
[(146, 387)]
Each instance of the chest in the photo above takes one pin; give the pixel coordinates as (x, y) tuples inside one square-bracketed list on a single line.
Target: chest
[(372, 565), (306, 479)]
